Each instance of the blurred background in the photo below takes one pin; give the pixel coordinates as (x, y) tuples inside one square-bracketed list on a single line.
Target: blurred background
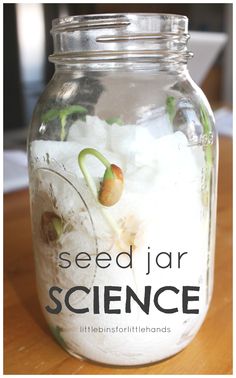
[(28, 42)]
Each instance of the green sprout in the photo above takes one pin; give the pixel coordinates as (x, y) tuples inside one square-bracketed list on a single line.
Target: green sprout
[(62, 114), (171, 107), (116, 120), (205, 121), (111, 186)]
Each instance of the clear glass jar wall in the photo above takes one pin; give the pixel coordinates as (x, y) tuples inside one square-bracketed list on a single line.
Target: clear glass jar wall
[(123, 172)]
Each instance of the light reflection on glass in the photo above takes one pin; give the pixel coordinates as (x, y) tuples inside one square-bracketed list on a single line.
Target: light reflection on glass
[(30, 28), (31, 42)]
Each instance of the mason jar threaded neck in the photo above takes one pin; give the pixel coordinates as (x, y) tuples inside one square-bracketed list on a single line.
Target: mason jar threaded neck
[(141, 37)]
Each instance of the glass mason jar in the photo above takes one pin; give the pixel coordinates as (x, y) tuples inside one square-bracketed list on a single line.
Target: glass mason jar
[(123, 173)]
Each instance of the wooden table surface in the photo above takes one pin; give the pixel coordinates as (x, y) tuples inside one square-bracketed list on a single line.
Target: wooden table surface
[(28, 345)]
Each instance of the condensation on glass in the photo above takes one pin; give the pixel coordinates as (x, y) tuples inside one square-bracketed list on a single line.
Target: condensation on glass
[(123, 171)]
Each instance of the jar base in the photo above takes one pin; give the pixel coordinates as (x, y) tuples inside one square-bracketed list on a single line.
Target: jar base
[(124, 366)]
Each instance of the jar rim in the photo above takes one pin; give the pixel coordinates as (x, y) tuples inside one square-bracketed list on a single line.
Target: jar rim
[(119, 37), (87, 20)]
